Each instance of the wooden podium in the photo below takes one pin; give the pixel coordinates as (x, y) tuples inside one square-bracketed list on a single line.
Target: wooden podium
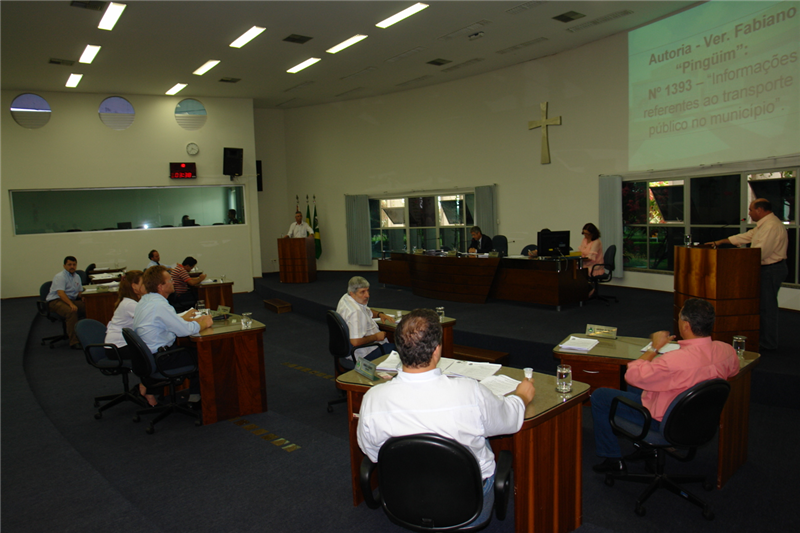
[(729, 278), (297, 260)]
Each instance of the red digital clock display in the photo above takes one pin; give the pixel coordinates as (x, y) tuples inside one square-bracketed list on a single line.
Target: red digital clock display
[(182, 171)]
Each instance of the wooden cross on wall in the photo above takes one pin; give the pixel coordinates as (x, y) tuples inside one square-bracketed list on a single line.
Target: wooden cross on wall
[(543, 123)]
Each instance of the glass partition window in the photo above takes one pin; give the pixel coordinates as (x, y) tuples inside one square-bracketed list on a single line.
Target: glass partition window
[(654, 219), (54, 211), (427, 222)]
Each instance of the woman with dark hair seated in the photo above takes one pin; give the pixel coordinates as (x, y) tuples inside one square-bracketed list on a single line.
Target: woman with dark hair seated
[(591, 249)]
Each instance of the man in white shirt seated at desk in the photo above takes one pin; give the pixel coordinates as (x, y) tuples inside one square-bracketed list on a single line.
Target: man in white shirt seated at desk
[(353, 309), (156, 322), (300, 229), (64, 298), (422, 400)]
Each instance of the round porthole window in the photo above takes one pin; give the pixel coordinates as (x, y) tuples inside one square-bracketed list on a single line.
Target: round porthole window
[(190, 114), (116, 112), (30, 111)]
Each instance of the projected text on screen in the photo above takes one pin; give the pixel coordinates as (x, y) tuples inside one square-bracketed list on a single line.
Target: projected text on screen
[(717, 83)]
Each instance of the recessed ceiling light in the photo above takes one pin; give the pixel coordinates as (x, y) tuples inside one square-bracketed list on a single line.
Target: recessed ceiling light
[(176, 89), (211, 63), (394, 19), (247, 36), (301, 66), (344, 44), (74, 80), (89, 53), (112, 15)]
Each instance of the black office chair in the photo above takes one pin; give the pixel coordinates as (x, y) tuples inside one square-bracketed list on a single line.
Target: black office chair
[(90, 270), (691, 420), (92, 335), (500, 244), (430, 483), (529, 248), (609, 263), (43, 308), (84, 277), (342, 350), (151, 369)]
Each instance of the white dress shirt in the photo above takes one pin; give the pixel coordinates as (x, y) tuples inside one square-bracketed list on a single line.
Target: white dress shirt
[(123, 318), (429, 402), (359, 320), (156, 322), (769, 235), (301, 230)]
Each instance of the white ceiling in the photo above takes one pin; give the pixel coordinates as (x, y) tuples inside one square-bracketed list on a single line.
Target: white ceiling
[(157, 44)]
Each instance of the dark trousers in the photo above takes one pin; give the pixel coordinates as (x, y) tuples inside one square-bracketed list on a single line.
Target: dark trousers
[(383, 349), (186, 357), (606, 443), (771, 278)]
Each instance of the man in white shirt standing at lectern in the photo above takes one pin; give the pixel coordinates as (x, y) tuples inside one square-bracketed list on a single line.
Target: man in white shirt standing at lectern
[(300, 229)]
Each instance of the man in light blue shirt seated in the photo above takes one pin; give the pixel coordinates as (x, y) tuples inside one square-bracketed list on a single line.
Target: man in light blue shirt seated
[(156, 322), (65, 298)]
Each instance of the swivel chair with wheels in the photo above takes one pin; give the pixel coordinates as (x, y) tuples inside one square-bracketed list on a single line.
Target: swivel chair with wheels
[(431, 483), (529, 248), (341, 349), (92, 335), (43, 308), (154, 371), (691, 420), (609, 263)]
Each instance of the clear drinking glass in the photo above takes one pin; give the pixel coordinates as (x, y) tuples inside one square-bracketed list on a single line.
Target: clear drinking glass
[(247, 320), (687, 239), (564, 378), (440, 312), (200, 306), (739, 342), (528, 373)]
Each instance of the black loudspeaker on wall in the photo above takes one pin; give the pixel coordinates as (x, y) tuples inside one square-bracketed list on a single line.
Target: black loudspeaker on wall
[(232, 161)]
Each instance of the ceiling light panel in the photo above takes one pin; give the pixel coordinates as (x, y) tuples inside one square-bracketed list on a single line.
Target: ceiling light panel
[(74, 80), (178, 87), (247, 36), (305, 64), (404, 14), (89, 54), (208, 65), (111, 16), (344, 44)]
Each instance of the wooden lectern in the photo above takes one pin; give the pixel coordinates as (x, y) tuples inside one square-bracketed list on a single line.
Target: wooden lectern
[(297, 260), (729, 278)]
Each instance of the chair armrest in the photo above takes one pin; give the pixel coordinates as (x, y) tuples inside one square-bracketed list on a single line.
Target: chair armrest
[(43, 308), (365, 481), (646, 418), (162, 357), (503, 484), (87, 349)]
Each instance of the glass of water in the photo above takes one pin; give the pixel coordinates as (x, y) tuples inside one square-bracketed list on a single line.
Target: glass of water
[(563, 378), (739, 342), (200, 306), (247, 320), (440, 312), (687, 239)]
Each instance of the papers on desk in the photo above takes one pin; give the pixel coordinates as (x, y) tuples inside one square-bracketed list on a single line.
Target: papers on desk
[(467, 369), (391, 363), (577, 344), (210, 280), (105, 276), (670, 346), (500, 385)]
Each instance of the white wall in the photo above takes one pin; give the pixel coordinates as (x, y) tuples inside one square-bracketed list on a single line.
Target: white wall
[(463, 134), (75, 150)]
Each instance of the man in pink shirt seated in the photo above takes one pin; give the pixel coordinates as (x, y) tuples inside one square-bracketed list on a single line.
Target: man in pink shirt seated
[(656, 381)]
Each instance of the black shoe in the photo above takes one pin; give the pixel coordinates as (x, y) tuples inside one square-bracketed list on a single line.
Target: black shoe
[(610, 466)]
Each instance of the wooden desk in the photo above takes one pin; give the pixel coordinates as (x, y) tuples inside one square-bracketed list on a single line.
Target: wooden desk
[(100, 305), (447, 329), (605, 365), (544, 281), (546, 453), (230, 363)]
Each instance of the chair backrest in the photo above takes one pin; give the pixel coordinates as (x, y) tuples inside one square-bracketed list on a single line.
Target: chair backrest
[(42, 306), (609, 258), (143, 363), (529, 248), (429, 483), (91, 332), (338, 335), (692, 418), (44, 290), (90, 268), (84, 277), (500, 244)]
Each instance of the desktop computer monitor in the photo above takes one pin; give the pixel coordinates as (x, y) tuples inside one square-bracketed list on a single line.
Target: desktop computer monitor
[(553, 243), (124, 225)]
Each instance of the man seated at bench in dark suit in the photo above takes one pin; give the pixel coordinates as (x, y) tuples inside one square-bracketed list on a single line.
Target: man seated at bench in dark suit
[(480, 243)]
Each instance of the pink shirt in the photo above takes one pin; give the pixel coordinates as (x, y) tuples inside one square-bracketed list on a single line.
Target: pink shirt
[(592, 251), (668, 375)]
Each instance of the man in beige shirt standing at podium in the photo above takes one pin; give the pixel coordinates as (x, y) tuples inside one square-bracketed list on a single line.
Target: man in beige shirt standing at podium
[(300, 229), (769, 235)]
